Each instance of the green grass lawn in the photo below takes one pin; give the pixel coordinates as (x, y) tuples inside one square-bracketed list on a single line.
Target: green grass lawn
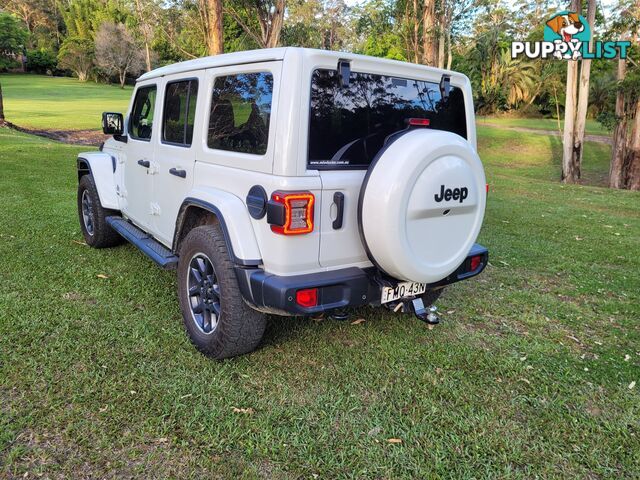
[(528, 376), (592, 126), (41, 102)]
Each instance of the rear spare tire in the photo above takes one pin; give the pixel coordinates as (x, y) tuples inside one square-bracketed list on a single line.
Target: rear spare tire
[(421, 205)]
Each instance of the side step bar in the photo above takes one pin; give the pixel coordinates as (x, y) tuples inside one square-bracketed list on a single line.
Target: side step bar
[(150, 247)]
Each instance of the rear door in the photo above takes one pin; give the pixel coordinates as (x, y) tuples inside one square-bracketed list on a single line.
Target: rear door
[(348, 126), (174, 156)]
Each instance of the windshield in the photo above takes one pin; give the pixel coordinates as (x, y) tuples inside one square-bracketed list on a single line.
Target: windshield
[(349, 125)]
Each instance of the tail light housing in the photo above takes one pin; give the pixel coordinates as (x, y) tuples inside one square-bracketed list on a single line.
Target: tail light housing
[(307, 297), (475, 263), (291, 213)]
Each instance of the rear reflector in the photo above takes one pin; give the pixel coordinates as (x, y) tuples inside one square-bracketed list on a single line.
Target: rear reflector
[(487, 188), (419, 122), (475, 263), (297, 217), (307, 297)]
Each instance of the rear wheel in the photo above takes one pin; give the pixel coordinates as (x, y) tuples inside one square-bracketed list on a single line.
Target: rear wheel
[(96, 231), (217, 320)]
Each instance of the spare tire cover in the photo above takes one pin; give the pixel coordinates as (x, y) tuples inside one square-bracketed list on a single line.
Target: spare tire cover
[(421, 205)]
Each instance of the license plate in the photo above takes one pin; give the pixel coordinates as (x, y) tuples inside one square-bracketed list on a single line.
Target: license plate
[(402, 290)]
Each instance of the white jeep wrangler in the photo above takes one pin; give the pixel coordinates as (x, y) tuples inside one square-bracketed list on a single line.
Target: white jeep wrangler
[(293, 182)]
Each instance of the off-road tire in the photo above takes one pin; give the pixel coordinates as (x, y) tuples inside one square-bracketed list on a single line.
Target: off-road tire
[(239, 328), (103, 235), (431, 296)]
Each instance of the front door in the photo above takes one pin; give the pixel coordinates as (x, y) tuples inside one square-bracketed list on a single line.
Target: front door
[(174, 157), (139, 157)]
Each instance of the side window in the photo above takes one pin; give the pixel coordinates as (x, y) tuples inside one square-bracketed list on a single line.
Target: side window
[(179, 112), (141, 119), (240, 111)]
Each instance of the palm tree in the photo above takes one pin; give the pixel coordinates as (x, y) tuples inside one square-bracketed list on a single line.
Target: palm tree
[(517, 77)]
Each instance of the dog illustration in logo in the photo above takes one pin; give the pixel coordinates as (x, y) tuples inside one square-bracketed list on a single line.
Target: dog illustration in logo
[(566, 26)]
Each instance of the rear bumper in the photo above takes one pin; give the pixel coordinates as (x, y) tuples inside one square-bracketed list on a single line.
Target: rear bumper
[(349, 287)]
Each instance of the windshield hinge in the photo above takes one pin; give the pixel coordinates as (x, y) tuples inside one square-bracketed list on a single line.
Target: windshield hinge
[(344, 72), (445, 87)]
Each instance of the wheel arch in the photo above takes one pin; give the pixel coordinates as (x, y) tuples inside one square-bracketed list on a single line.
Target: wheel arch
[(102, 167), (239, 236)]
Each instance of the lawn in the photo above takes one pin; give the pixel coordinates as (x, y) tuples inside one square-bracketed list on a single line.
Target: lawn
[(592, 126), (41, 102), (531, 374)]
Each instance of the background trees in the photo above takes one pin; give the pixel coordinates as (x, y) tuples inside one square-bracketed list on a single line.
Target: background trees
[(471, 36), (117, 52)]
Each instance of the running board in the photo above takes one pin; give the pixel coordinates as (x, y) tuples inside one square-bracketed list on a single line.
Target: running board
[(150, 247)]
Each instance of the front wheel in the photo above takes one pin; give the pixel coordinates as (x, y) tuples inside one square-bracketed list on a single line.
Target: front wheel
[(96, 231), (217, 320)]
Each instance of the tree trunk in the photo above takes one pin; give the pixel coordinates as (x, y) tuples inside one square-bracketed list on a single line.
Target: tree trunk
[(449, 52), (277, 19), (147, 56), (123, 78), (2, 119), (583, 99), (441, 45), (618, 150), (416, 32), (632, 162), (570, 168), (215, 33), (429, 44)]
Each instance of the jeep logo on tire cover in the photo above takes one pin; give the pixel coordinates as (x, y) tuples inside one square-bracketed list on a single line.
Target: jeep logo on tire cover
[(449, 194)]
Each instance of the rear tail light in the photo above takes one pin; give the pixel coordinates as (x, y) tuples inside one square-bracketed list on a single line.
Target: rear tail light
[(475, 263), (291, 213), (307, 297), (487, 188)]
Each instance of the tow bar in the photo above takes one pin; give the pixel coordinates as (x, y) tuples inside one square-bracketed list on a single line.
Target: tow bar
[(429, 316)]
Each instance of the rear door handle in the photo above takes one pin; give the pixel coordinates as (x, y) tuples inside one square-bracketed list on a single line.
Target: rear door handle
[(178, 173), (144, 163)]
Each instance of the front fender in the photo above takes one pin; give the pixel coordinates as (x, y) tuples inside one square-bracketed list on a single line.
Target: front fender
[(102, 166), (234, 219)]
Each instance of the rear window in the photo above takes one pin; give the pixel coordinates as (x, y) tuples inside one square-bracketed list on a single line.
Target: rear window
[(349, 125)]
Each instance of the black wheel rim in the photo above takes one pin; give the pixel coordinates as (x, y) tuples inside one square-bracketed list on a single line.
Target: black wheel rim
[(204, 293), (87, 212)]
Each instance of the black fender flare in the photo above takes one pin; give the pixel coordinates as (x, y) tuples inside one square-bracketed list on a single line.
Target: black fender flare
[(200, 204)]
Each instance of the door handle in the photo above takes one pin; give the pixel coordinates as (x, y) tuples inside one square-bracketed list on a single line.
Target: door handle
[(178, 173), (338, 199), (144, 163)]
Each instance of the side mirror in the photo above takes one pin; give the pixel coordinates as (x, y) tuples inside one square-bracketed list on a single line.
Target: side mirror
[(112, 123)]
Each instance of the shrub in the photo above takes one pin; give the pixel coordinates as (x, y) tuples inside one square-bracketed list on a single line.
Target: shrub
[(41, 61)]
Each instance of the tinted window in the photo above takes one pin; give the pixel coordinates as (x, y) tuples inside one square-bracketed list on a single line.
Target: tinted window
[(240, 111), (349, 125), (141, 119), (179, 112)]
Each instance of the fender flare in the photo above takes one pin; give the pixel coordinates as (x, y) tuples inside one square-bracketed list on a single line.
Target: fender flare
[(239, 237), (102, 167)]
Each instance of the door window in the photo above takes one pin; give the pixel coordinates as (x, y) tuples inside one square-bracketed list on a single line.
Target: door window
[(240, 112), (179, 112), (141, 120)]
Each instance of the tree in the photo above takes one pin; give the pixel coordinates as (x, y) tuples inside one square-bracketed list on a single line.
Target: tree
[(570, 164), (117, 51), (2, 119), (12, 40), (145, 18), (624, 171), (211, 14), (77, 54), (261, 20)]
